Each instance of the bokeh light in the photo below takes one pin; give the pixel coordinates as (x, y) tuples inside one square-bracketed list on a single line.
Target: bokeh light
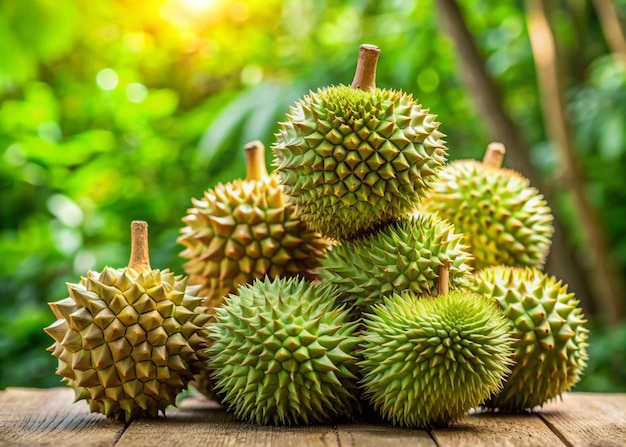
[(107, 79)]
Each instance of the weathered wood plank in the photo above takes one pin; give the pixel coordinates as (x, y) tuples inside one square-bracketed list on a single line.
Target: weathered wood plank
[(588, 419), (201, 422), (489, 429), (381, 435), (35, 417)]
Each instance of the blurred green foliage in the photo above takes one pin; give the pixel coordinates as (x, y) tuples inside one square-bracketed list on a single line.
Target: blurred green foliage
[(112, 111)]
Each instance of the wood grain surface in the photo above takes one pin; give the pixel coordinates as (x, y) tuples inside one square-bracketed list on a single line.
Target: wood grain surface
[(32, 417), (48, 417), (588, 419), (483, 429)]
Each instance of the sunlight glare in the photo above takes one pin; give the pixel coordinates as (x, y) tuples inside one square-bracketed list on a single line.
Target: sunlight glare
[(189, 14), (198, 6)]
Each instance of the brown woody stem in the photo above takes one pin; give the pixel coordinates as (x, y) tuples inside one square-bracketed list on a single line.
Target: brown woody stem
[(444, 280), (365, 75), (255, 161), (139, 257), (494, 155)]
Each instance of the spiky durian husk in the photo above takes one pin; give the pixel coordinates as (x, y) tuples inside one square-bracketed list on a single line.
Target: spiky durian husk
[(504, 219), (202, 379), (127, 342), (244, 230), (427, 360), (352, 158), (550, 346), (403, 255), (282, 353)]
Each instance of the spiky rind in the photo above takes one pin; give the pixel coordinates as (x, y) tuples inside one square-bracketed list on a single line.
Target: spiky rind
[(127, 342), (403, 255), (428, 360), (550, 337), (244, 230), (283, 354), (202, 380), (504, 219), (352, 158)]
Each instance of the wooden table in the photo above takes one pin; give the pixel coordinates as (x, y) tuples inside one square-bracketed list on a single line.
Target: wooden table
[(30, 417)]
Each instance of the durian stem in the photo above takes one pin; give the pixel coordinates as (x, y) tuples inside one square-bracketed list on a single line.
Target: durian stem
[(139, 257), (255, 161), (494, 155), (443, 281), (365, 75)]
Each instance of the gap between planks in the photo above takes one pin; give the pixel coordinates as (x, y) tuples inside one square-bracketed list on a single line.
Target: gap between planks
[(590, 419)]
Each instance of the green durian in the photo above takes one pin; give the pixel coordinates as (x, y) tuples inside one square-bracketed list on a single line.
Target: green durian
[(283, 354), (129, 340), (550, 336), (428, 360), (354, 156), (504, 219), (244, 230), (403, 255)]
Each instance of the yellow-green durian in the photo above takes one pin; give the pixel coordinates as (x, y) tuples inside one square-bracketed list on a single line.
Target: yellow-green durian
[(402, 255), (352, 157), (550, 337), (129, 340), (428, 360), (504, 219), (283, 353), (244, 230)]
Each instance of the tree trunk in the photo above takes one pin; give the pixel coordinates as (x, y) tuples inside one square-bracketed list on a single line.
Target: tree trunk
[(483, 90), (562, 260), (611, 28), (607, 283)]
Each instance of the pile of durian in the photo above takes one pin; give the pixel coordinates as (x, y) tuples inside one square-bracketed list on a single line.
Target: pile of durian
[(363, 274)]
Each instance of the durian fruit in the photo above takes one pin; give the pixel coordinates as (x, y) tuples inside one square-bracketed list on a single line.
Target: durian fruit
[(504, 219), (428, 360), (244, 230), (548, 327), (403, 255), (283, 354), (354, 156), (129, 340)]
